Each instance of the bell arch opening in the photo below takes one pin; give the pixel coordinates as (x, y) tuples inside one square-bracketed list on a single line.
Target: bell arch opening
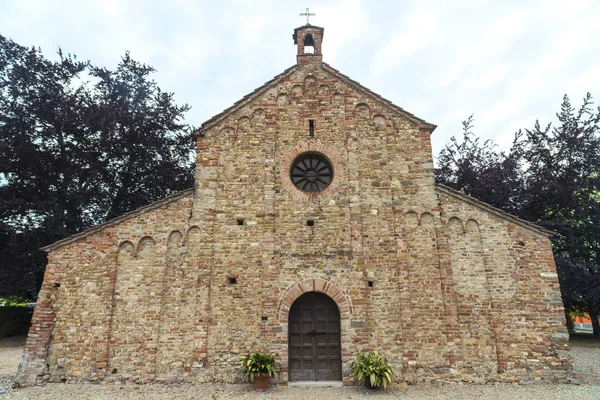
[(309, 44)]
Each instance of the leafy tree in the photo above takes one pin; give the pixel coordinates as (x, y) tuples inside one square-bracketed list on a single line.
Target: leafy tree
[(563, 180), (21, 263), (147, 150), (580, 286), (481, 170), (550, 176), (79, 145)]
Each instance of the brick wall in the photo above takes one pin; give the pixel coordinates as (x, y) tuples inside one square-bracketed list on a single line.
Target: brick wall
[(460, 292)]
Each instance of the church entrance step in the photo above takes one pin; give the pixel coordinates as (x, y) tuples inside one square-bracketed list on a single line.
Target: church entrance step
[(317, 383)]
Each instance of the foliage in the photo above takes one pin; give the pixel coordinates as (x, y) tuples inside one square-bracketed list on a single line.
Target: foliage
[(374, 367), (21, 263), (550, 176), (79, 145), (257, 364), (563, 180), (15, 316), (582, 288), (15, 301), (481, 170)]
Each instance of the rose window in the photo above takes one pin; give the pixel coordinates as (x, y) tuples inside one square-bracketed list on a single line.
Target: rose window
[(311, 172)]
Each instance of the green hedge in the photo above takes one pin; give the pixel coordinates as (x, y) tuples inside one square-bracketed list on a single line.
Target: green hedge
[(15, 320)]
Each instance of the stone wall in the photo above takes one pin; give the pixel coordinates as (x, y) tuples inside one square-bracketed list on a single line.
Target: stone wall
[(98, 309), (506, 292), (382, 165), (459, 291)]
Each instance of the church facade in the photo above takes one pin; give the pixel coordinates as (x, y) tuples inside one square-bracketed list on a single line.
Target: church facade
[(315, 229)]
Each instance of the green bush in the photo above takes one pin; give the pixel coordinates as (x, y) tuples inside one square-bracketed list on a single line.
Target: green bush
[(257, 364), (15, 316), (372, 367), (15, 301)]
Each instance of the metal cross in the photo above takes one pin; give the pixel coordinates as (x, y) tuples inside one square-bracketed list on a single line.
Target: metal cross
[(307, 15)]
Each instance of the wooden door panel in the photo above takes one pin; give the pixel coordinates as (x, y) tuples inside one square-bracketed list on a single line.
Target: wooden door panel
[(314, 339)]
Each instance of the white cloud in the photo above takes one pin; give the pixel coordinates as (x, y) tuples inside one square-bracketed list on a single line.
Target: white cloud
[(418, 30), (346, 21), (506, 62), (487, 78)]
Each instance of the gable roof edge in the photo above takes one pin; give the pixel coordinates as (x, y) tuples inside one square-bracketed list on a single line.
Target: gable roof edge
[(241, 102), (493, 210), (117, 220), (421, 122)]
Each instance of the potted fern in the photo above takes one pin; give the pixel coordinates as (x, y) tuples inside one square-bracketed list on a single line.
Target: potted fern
[(372, 369), (259, 367)]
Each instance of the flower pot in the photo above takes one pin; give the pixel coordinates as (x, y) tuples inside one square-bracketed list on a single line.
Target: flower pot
[(368, 385), (261, 383)]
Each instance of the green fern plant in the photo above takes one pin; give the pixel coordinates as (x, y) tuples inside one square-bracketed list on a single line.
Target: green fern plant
[(257, 364), (372, 367)]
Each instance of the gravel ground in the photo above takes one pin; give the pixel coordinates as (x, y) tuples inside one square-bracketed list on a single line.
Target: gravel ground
[(585, 350), (218, 391), (11, 350)]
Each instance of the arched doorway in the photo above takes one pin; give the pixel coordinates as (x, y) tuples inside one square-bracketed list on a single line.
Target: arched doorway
[(315, 352)]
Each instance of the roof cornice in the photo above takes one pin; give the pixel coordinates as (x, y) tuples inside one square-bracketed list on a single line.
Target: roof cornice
[(242, 102), (115, 221), (421, 122), (424, 125), (493, 210)]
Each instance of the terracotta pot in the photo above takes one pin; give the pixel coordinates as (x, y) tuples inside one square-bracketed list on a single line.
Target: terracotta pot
[(261, 383)]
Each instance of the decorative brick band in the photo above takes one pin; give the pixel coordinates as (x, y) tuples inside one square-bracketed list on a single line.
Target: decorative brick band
[(314, 285)]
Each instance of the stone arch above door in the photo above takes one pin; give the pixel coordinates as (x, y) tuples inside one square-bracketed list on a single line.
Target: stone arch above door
[(330, 288)]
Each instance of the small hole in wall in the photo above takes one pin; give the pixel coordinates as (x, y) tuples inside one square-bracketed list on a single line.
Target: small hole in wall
[(231, 280), (240, 221), (114, 371), (310, 222), (521, 243), (56, 284), (311, 127), (370, 283), (264, 320)]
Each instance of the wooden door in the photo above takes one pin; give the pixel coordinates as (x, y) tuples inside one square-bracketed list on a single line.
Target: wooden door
[(314, 339)]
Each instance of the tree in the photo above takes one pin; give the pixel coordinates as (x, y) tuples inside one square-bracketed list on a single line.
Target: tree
[(580, 287), (21, 263), (79, 145), (563, 180), (147, 149), (550, 176), (481, 170)]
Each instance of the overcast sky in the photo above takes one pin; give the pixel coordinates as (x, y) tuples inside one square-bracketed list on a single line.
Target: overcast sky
[(506, 62)]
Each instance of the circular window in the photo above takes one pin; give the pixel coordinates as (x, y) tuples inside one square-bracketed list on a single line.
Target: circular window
[(311, 172)]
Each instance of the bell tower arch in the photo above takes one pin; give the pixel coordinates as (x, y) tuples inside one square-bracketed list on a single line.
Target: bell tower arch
[(308, 38)]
